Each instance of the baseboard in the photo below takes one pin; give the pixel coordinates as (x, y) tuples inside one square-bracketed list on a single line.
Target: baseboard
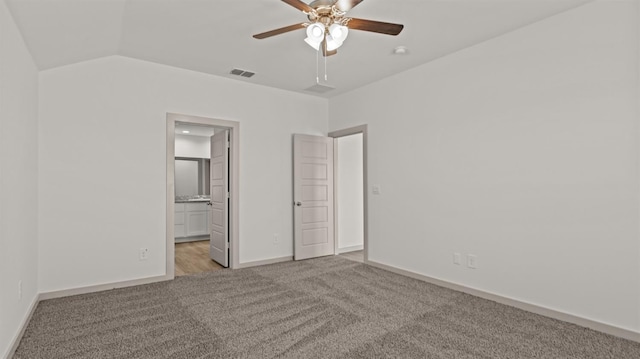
[(23, 326), (191, 239), (264, 262), (533, 308), (102, 287), (350, 249)]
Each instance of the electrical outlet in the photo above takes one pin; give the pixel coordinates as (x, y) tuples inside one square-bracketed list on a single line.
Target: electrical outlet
[(144, 254), (19, 290), (276, 238), (472, 261), (456, 258), (376, 189)]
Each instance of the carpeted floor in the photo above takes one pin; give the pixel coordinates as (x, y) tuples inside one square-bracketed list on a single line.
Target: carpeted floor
[(321, 308)]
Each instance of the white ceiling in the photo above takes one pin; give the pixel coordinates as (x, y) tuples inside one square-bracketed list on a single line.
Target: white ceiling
[(194, 130), (214, 36)]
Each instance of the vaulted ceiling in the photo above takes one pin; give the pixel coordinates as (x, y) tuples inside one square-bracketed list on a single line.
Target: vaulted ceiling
[(215, 36)]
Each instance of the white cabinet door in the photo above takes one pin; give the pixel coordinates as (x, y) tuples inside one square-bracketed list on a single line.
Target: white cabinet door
[(197, 224), (191, 219), (179, 230), (178, 221)]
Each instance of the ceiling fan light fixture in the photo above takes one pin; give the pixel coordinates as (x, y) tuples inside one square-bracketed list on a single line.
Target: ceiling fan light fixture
[(315, 35), (338, 32), (315, 32), (328, 26), (313, 43), (332, 44)]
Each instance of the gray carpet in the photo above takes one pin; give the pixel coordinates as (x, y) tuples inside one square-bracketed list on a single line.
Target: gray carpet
[(321, 308)]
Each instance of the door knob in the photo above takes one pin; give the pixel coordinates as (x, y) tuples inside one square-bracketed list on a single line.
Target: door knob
[(298, 204)]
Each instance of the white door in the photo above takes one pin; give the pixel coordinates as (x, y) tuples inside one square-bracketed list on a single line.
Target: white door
[(219, 241), (313, 196)]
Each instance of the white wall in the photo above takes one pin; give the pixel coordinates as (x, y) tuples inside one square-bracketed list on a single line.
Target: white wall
[(522, 150), (99, 205), (350, 192), (193, 146), (18, 180)]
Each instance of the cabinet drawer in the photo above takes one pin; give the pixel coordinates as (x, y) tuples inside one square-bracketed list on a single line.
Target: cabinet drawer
[(193, 207), (179, 207)]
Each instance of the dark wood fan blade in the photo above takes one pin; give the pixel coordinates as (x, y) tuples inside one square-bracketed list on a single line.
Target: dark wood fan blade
[(346, 5), (279, 31), (375, 26), (300, 5)]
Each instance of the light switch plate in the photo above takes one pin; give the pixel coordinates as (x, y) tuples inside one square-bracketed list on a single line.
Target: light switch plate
[(472, 261), (376, 189)]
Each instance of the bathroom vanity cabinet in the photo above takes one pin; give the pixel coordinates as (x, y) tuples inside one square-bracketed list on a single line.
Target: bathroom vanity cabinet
[(191, 219)]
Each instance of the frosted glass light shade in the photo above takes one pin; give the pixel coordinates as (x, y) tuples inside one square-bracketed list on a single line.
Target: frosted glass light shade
[(332, 44), (315, 35), (313, 43), (339, 32), (315, 32)]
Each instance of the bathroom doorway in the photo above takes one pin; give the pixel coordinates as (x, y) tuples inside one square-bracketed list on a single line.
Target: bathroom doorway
[(201, 194)]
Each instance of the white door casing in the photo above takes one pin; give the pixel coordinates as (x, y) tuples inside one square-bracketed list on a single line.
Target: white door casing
[(313, 196), (219, 212)]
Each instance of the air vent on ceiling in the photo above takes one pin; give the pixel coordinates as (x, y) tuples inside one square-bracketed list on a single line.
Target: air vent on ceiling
[(320, 88), (243, 73)]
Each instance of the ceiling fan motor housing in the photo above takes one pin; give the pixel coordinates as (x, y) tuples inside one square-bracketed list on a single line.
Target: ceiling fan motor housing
[(326, 13)]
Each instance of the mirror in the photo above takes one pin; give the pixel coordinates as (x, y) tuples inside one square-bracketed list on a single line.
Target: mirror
[(191, 176)]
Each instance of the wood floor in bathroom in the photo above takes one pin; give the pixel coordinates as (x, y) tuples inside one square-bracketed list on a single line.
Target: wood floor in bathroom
[(193, 257)]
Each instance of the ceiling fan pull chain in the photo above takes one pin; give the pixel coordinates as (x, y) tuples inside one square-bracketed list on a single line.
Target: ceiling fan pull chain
[(318, 67), (326, 77)]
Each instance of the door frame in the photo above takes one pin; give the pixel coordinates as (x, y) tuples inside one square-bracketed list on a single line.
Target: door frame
[(365, 185), (234, 184)]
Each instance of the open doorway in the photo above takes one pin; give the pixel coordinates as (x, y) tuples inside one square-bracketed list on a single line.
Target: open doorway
[(192, 213), (349, 193), (321, 227), (202, 194), (350, 184)]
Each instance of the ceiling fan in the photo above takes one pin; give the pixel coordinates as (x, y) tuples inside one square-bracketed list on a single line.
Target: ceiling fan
[(328, 25)]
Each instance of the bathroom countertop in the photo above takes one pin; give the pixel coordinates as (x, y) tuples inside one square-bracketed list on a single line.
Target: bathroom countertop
[(192, 200)]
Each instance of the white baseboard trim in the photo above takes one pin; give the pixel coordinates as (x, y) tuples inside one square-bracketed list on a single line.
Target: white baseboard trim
[(264, 262), (13, 346), (102, 287), (350, 249), (533, 308)]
